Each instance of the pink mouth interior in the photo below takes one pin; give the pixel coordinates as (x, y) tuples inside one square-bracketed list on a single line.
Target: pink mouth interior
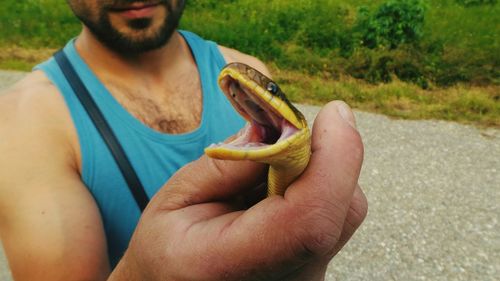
[(266, 126)]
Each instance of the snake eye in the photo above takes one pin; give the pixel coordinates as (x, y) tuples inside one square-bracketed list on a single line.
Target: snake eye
[(272, 87)]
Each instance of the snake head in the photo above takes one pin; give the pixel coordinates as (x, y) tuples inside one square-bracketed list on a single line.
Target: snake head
[(274, 124)]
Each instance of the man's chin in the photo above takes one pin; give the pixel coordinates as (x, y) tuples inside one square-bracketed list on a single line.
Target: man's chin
[(133, 41), (133, 37), (134, 47), (140, 25)]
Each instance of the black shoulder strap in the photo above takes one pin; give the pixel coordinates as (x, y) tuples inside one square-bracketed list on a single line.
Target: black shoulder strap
[(104, 129)]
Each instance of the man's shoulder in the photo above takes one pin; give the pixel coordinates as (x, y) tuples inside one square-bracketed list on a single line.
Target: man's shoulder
[(32, 98), (33, 112), (232, 55)]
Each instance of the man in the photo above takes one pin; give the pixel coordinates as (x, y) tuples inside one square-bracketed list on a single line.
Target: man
[(66, 213)]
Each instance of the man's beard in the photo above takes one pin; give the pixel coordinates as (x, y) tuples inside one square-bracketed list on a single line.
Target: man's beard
[(121, 43)]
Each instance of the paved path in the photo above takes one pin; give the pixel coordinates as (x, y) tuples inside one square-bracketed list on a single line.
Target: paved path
[(434, 194)]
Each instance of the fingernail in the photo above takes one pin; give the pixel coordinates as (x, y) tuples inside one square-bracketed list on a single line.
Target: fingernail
[(346, 113)]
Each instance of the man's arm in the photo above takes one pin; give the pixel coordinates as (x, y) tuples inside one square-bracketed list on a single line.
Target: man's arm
[(49, 223)]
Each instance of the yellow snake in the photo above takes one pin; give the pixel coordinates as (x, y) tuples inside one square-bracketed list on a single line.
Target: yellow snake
[(276, 133)]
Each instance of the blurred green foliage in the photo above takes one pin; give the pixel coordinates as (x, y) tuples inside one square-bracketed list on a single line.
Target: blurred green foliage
[(36, 23), (394, 23), (476, 2), (420, 41)]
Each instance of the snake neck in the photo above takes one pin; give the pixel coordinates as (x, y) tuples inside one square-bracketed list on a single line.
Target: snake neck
[(286, 166), (278, 180)]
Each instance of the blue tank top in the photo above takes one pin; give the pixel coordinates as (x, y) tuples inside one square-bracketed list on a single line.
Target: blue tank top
[(154, 155)]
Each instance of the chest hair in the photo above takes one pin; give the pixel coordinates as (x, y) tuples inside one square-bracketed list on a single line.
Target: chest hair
[(173, 109)]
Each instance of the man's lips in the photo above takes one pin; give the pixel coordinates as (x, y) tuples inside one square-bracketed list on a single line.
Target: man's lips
[(136, 10), (134, 6)]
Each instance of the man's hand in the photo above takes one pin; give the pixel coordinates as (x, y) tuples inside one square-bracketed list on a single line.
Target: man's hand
[(194, 230)]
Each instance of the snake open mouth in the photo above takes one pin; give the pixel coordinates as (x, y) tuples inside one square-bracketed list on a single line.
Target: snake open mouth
[(277, 133), (266, 127)]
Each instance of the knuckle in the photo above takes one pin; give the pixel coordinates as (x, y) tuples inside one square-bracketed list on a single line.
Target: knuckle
[(353, 220), (320, 228), (357, 146), (174, 194), (217, 168), (361, 208), (358, 210)]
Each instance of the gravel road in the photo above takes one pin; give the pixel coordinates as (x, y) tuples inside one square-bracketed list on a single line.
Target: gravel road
[(434, 194)]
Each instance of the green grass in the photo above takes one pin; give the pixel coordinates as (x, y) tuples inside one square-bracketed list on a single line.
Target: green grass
[(458, 44), (314, 51), (23, 59), (461, 103), (15, 64)]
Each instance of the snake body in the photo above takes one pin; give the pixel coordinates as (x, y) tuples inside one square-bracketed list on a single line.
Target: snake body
[(276, 133)]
